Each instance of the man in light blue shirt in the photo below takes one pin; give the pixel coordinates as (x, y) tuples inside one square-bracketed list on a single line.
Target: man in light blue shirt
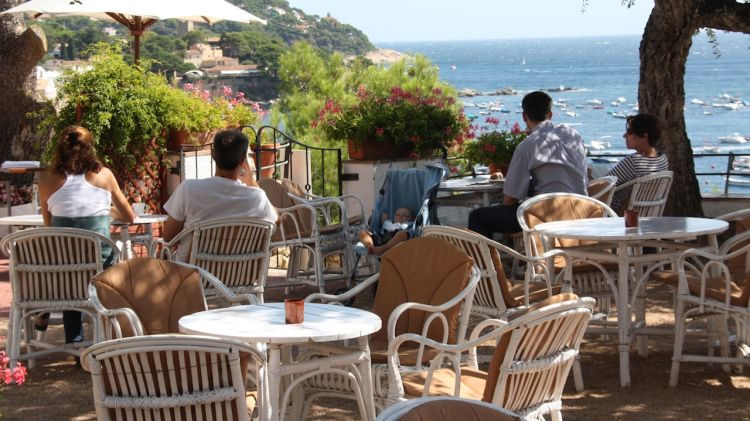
[(551, 159)]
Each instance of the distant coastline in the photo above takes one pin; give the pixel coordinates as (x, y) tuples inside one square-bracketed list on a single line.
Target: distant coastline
[(385, 56)]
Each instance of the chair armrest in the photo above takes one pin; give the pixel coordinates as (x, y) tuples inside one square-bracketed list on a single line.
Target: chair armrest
[(109, 317), (327, 207), (291, 213), (208, 280), (331, 298), (168, 248)]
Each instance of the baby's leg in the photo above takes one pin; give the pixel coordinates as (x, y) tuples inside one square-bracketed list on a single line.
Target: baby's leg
[(398, 237), (366, 239)]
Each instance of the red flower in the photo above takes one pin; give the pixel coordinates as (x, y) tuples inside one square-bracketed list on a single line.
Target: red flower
[(379, 131)]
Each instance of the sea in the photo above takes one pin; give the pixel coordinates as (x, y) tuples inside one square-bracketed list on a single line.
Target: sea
[(594, 84)]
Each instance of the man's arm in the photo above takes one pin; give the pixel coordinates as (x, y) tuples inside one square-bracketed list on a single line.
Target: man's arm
[(509, 201), (171, 228)]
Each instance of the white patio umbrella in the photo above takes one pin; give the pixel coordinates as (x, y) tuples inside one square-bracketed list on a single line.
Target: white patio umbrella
[(138, 15)]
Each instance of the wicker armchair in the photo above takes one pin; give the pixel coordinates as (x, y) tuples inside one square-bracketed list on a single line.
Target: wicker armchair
[(602, 189), (166, 377), (707, 289), (147, 296), (309, 229), (50, 269), (647, 194), (533, 354), (234, 250), (588, 278), (434, 301)]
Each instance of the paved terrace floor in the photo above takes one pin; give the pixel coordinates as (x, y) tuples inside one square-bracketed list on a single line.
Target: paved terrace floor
[(57, 390)]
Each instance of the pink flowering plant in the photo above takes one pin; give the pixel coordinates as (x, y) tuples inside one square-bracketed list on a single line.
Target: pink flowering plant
[(18, 195), (493, 145), (426, 119), (11, 375), (231, 109)]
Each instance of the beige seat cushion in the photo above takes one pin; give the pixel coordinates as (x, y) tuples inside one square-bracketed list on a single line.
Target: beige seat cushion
[(404, 277), (445, 410), (159, 291), (277, 193), (473, 383), (562, 209), (715, 287)]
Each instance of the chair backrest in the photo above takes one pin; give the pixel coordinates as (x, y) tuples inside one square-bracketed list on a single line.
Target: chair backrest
[(405, 277), (493, 291), (53, 264), (158, 291), (551, 207), (649, 193), (534, 355), (298, 225), (603, 188), (169, 377), (739, 222), (446, 408), (412, 188), (235, 250)]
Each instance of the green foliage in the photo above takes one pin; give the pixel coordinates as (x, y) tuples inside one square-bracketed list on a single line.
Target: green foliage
[(125, 107), (494, 147), (254, 47)]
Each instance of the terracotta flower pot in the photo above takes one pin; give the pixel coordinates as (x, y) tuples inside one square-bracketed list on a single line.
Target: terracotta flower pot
[(373, 150), (267, 158)]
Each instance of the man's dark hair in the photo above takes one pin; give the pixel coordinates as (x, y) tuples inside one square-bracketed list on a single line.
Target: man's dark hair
[(537, 105), (641, 124), (230, 149)]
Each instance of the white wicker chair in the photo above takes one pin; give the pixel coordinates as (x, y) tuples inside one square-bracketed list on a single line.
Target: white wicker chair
[(166, 377), (495, 297), (706, 290), (234, 250), (126, 295), (588, 278), (602, 189), (648, 194), (434, 301), (50, 269), (446, 409), (308, 228), (533, 354)]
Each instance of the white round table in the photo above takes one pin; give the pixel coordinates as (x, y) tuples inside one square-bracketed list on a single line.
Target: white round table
[(672, 235), (264, 323)]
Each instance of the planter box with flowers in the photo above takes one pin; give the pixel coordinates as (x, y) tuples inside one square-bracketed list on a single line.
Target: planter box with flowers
[(493, 147), (401, 123)]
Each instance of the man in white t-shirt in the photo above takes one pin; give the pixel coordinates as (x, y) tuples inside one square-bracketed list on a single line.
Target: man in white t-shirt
[(231, 192)]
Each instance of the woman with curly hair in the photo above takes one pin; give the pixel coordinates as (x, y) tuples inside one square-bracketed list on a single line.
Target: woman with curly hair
[(78, 192)]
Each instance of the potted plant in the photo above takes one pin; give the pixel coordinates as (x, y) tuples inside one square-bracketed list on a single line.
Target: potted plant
[(494, 148), (394, 123), (129, 111)]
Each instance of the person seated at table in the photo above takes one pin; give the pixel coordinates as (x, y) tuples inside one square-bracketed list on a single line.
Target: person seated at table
[(79, 192), (551, 159), (642, 133), (393, 232), (231, 192)]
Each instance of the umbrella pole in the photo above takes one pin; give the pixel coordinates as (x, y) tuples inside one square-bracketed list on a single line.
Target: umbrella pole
[(136, 48)]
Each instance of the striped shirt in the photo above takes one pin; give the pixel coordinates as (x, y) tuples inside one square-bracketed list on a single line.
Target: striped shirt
[(630, 168)]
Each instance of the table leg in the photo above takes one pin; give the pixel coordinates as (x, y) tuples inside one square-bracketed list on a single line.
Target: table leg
[(367, 380), (127, 247), (274, 382), (623, 315)]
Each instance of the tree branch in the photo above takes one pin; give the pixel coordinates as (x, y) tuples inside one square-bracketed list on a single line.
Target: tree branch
[(725, 15)]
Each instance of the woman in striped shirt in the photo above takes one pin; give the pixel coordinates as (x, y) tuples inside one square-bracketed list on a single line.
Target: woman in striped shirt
[(642, 133)]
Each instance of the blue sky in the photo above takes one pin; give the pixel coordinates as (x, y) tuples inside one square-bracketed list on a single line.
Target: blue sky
[(440, 20)]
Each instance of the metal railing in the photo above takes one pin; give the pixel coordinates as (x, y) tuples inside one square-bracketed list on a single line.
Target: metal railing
[(321, 167)]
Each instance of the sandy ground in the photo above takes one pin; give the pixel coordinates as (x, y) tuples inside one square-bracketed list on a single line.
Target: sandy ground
[(57, 390)]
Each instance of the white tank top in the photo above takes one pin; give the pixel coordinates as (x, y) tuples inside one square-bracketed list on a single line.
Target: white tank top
[(77, 197)]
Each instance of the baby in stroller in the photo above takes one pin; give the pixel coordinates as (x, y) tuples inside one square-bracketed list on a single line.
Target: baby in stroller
[(394, 231)]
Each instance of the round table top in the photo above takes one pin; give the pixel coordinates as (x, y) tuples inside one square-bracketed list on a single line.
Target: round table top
[(265, 323), (613, 229), (37, 220), (478, 183)]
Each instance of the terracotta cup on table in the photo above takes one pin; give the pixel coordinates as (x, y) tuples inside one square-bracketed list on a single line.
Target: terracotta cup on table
[(631, 218), (294, 311)]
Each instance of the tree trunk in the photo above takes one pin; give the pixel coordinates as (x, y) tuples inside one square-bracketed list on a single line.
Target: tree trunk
[(664, 50), (20, 50)]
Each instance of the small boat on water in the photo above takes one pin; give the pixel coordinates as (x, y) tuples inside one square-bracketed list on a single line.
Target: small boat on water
[(714, 149), (728, 105), (571, 113), (739, 180), (735, 138), (618, 114), (598, 145), (594, 102), (697, 101), (601, 160)]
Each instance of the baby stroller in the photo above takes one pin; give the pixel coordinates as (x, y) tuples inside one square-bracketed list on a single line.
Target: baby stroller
[(412, 188)]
